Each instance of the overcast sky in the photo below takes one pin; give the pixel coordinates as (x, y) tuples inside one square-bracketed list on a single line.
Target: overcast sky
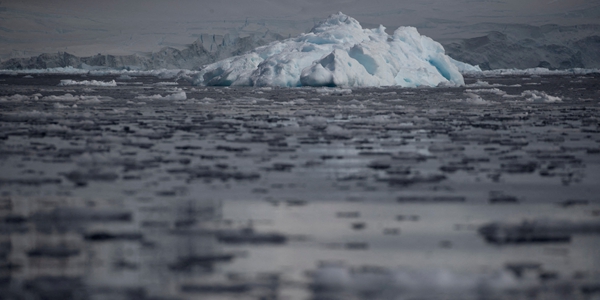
[(86, 27)]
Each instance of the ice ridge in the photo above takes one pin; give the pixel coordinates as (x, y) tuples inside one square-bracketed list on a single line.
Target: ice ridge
[(339, 52)]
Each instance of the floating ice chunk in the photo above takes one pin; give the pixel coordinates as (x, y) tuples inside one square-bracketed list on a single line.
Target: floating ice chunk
[(336, 131), (339, 52), (124, 77), (537, 96), (65, 97), (68, 82), (61, 106), (92, 99), (15, 97), (334, 91), (480, 83), (177, 96), (34, 114), (166, 83), (71, 97), (208, 100), (476, 99), (316, 121), (422, 284), (487, 91), (293, 102)]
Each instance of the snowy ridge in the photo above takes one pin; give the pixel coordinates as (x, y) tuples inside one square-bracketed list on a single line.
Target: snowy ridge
[(339, 52)]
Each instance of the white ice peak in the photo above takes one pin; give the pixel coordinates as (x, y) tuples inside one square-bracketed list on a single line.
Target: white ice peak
[(339, 52)]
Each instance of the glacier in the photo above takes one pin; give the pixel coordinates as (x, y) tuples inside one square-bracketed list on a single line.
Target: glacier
[(339, 52)]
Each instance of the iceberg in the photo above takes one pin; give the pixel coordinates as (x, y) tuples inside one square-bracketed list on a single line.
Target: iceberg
[(339, 52)]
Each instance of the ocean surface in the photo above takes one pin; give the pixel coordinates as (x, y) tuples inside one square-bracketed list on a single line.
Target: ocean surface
[(156, 189)]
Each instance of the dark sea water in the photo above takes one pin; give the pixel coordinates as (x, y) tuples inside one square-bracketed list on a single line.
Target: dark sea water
[(489, 191)]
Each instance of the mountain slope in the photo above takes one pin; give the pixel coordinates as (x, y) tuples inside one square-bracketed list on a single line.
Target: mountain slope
[(521, 46), (193, 56)]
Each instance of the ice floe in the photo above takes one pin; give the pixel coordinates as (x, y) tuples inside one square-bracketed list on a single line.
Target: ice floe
[(486, 91), (78, 98), (538, 96), (68, 82), (176, 96), (339, 278)]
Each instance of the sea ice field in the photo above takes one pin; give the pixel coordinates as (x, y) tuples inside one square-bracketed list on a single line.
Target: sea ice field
[(128, 186)]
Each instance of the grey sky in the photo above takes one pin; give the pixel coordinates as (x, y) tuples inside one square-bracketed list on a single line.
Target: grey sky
[(30, 27)]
